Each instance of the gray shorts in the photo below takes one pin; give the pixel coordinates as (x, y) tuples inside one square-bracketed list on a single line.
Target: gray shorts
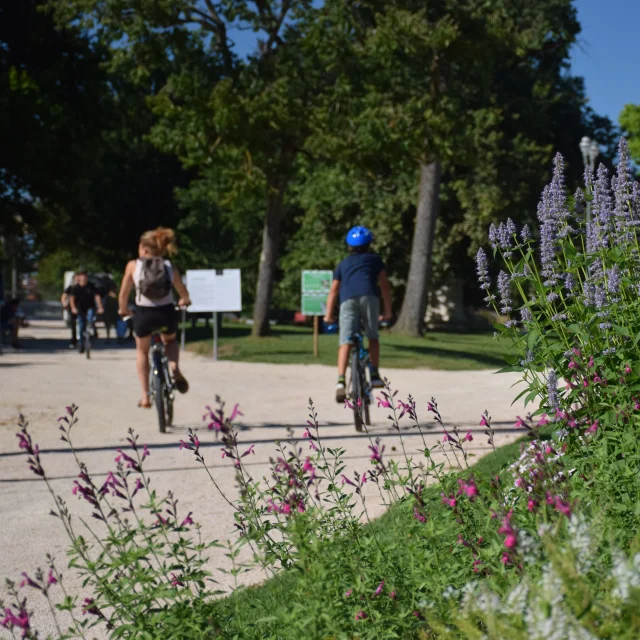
[(352, 310)]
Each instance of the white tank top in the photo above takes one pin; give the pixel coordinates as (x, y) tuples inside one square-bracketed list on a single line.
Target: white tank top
[(143, 301)]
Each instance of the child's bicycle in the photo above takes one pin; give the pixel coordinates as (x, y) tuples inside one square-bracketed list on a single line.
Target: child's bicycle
[(360, 388)]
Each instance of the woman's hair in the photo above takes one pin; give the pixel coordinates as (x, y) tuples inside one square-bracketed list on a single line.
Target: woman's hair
[(160, 241)]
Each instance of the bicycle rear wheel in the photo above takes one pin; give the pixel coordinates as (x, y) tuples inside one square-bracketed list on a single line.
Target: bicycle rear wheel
[(356, 390), (366, 398), (158, 396)]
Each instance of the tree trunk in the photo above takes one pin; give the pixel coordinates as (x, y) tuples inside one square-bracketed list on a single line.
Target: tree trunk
[(269, 255), (414, 306)]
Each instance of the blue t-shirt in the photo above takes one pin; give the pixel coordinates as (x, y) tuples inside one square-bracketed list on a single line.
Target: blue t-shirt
[(358, 274)]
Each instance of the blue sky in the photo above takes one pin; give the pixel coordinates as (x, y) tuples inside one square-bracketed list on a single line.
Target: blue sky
[(606, 54)]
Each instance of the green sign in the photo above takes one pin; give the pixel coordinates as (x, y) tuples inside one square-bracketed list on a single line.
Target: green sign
[(316, 281), (315, 289), (314, 305)]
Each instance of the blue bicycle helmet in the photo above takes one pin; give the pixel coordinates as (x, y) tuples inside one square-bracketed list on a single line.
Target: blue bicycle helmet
[(359, 237)]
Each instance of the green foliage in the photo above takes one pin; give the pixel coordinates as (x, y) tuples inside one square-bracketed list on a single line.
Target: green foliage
[(630, 123)]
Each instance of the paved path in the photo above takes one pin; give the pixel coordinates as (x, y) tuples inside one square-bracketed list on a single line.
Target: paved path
[(45, 377)]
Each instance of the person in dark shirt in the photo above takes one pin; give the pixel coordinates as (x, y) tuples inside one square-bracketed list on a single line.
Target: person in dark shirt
[(9, 321), (84, 300), (355, 283), (66, 296)]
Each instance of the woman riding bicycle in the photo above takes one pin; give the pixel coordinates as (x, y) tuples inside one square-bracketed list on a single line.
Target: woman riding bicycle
[(152, 276)]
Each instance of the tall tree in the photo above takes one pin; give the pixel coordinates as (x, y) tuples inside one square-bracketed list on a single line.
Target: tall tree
[(245, 117)]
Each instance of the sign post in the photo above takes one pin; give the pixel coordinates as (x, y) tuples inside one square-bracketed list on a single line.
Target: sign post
[(214, 290), (315, 289)]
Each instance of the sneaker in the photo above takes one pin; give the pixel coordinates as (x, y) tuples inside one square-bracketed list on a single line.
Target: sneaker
[(341, 392), (376, 382), (73, 345), (180, 381)]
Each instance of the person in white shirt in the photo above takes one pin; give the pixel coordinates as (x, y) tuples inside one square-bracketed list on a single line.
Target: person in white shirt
[(153, 275)]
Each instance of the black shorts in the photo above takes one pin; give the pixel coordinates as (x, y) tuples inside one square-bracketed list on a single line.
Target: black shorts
[(146, 320)]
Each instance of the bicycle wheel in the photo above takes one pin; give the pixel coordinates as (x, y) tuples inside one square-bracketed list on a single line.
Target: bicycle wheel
[(366, 397), (87, 342), (356, 392), (158, 396), (168, 390)]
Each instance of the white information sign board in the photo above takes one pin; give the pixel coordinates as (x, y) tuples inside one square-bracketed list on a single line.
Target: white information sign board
[(214, 290)]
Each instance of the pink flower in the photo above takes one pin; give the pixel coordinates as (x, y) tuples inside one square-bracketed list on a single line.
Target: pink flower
[(51, 579), (510, 541), (476, 565), (591, 363), (250, 450), (505, 558), (446, 437), (418, 516), (384, 403), (543, 420), (636, 405), (145, 452), (175, 581), (361, 615), (376, 453), (585, 383), (519, 482), (187, 520), (348, 593), (468, 436), (185, 445), (450, 502), (594, 427), (520, 424), (27, 581), (346, 480), (549, 498), (468, 488), (235, 412), (531, 504), (21, 621), (379, 589), (393, 595), (307, 466), (562, 506), (573, 364), (431, 407), (627, 370), (462, 541)]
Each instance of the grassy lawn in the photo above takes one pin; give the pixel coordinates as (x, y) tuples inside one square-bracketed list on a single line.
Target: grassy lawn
[(294, 345)]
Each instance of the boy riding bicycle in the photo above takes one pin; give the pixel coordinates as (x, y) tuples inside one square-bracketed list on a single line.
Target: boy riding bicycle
[(355, 283)]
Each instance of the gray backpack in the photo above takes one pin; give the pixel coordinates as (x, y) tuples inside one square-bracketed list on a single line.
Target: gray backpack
[(155, 281)]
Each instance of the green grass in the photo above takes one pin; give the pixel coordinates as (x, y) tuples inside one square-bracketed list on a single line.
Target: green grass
[(294, 345)]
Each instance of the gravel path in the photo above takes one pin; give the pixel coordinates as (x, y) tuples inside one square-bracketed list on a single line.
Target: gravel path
[(46, 376)]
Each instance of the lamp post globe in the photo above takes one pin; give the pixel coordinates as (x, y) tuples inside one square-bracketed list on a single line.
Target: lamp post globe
[(585, 147)]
